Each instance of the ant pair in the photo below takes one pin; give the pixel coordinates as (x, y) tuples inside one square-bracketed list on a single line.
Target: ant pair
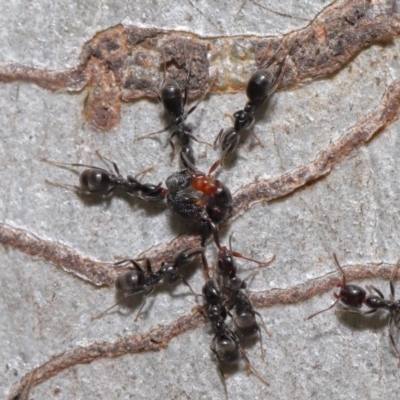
[(226, 343), (223, 295), (174, 103), (260, 87), (138, 280), (353, 297), (95, 180)]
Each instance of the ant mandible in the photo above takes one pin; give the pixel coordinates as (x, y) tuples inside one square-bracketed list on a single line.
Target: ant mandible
[(137, 280), (353, 297), (96, 180), (174, 102)]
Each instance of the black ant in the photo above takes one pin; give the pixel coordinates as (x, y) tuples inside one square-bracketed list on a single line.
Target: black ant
[(226, 343), (95, 180), (139, 280), (174, 102), (234, 288), (210, 208), (260, 87), (353, 297)]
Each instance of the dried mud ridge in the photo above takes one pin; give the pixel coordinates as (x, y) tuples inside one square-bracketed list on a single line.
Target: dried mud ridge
[(124, 63), (113, 69)]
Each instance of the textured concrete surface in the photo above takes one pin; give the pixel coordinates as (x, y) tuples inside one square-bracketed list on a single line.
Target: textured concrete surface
[(354, 212)]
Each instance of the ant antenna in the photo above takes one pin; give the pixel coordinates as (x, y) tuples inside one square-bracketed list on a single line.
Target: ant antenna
[(339, 285), (108, 309)]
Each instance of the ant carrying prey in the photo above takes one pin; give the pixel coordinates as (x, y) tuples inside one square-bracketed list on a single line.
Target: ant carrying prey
[(353, 297), (199, 197)]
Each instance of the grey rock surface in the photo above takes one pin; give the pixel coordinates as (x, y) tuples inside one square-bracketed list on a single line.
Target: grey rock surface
[(354, 212)]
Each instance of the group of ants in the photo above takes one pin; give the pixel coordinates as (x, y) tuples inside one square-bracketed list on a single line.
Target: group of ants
[(206, 201)]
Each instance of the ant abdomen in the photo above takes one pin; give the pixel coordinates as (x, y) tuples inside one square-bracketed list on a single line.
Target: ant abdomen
[(246, 324), (130, 281), (259, 85), (219, 205), (226, 349), (171, 97), (94, 180)]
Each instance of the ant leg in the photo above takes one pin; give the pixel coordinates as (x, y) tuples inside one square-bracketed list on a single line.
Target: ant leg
[(144, 172), (148, 292), (221, 374), (371, 287), (62, 164), (74, 188), (186, 162), (341, 270), (268, 62), (219, 137), (98, 316), (260, 263), (261, 345), (149, 267), (394, 273), (279, 75), (232, 117), (189, 135), (185, 91), (260, 143), (326, 309), (133, 264), (263, 324), (239, 255), (214, 167), (174, 279), (215, 232), (113, 163), (156, 132), (198, 102), (172, 144), (251, 368), (78, 189), (392, 339), (164, 75), (356, 312), (206, 267)]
